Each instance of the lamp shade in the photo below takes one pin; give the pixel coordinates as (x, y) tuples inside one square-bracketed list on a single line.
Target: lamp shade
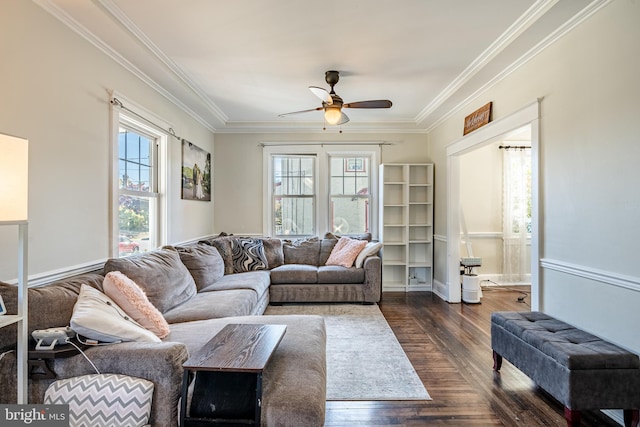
[(14, 177), (332, 114)]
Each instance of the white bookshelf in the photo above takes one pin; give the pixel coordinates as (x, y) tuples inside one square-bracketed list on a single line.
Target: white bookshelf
[(406, 226)]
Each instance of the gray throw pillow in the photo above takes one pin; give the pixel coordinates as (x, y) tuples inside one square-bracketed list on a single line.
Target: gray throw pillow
[(361, 236), (326, 246), (273, 251), (301, 251), (203, 262), (161, 275), (223, 244)]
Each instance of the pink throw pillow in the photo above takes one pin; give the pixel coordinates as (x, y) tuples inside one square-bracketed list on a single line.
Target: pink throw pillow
[(132, 299), (344, 253)]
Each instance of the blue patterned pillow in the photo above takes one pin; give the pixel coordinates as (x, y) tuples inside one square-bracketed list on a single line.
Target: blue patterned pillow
[(248, 255)]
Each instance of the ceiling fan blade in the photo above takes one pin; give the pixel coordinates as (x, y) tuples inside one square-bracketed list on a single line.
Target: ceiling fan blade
[(378, 103), (343, 119), (301, 111), (322, 94)]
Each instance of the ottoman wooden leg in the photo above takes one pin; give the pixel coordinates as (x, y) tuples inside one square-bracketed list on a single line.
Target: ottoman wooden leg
[(631, 417), (497, 361), (572, 417)]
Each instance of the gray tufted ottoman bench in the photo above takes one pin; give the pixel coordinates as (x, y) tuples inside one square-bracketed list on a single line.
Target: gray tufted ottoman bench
[(578, 369)]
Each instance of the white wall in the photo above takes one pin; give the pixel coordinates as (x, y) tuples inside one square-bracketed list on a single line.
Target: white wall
[(54, 88), (588, 168), (481, 200), (238, 173)]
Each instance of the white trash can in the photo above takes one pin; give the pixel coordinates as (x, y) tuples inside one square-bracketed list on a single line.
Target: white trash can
[(471, 288)]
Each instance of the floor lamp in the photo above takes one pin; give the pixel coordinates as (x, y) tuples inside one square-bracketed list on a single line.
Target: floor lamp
[(14, 173)]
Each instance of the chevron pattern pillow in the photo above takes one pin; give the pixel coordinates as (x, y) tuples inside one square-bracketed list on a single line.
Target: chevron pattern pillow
[(105, 400)]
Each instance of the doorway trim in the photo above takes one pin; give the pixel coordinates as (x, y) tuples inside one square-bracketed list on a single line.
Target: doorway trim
[(527, 115)]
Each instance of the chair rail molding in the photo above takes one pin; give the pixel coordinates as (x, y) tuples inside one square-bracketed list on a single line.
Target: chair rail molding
[(603, 276)]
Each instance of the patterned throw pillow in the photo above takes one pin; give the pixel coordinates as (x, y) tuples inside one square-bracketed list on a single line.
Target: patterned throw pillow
[(248, 255), (344, 253), (103, 400)]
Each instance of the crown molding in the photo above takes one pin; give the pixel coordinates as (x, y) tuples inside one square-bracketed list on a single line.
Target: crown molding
[(535, 12), (319, 127), (121, 18), (560, 32), (83, 32)]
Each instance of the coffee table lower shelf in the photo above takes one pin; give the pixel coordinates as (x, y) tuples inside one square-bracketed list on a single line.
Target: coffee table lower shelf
[(228, 376)]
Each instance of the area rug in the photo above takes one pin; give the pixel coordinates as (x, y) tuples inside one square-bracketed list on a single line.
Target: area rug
[(364, 359)]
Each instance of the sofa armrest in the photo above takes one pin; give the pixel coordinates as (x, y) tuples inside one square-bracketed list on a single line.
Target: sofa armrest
[(372, 279), (160, 363)]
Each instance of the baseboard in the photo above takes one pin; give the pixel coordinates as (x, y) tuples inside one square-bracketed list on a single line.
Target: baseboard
[(440, 289), (499, 280)]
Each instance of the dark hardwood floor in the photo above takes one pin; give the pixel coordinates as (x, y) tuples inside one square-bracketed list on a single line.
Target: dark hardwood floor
[(449, 346)]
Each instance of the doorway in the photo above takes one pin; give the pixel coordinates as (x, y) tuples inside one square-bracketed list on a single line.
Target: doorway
[(495, 209), (527, 116)]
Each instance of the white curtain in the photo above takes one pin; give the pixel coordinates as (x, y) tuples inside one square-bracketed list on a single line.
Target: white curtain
[(516, 224)]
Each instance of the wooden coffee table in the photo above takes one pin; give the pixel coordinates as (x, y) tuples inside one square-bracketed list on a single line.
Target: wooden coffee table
[(228, 376)]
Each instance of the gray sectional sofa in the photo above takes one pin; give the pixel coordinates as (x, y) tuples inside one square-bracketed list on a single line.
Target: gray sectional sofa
[(198, 292), (298, 271)]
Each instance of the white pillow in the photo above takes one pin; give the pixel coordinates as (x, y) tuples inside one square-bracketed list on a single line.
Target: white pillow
[(372, 248), (97, 317)]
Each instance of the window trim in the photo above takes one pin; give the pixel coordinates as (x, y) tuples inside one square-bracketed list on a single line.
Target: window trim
[(323, 152), (161, 161)]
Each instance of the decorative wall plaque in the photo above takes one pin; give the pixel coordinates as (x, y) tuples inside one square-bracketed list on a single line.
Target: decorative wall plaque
[(477, 119)]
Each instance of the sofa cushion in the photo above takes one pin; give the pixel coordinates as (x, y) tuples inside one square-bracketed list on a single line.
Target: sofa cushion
[(203, 262), (128, 295), (361, 236), (326, 246), (248, 255), (344, 253), (294, 381), (339, 274), (64, 293), (273, 251), (370, 249), (98, 317), (294, 273), (161, 275), (223, 244), (213, 305), (258, 281), (301, 251)]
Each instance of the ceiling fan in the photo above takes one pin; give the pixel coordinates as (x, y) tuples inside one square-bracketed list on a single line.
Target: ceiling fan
[(332, 104)]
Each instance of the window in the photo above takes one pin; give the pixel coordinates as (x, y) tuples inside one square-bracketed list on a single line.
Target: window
[(310, 190), (138, 192), (293, 195), (138, 197), (349, 195)]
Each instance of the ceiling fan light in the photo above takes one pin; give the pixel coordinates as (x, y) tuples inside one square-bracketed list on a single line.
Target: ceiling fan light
[(332, 115)]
